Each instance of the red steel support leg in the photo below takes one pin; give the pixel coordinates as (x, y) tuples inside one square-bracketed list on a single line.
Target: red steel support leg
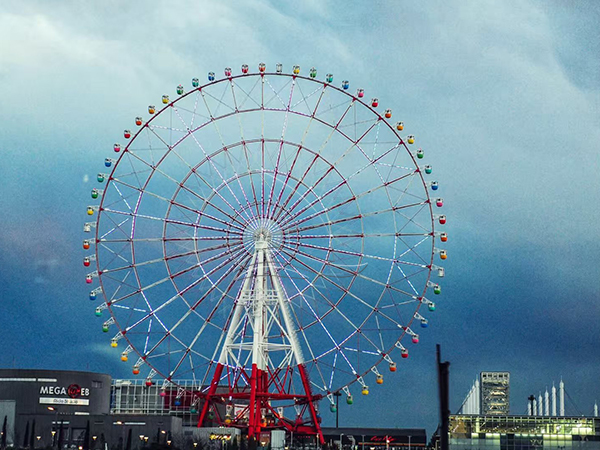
[(261, 398), (211, 391), (252, 405), (311, 406)]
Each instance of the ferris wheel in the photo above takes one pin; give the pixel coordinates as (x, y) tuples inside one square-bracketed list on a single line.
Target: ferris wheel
[(270, 236)]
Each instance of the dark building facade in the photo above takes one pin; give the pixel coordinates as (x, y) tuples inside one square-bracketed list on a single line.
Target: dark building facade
[(52, 407), (376, 438), (66, 409), (492, 432)]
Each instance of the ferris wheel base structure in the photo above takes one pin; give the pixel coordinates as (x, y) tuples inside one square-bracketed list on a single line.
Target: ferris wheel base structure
[(261, 328), (257, 402)]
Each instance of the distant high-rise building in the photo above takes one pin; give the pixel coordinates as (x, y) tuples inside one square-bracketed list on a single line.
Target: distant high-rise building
[(495, 393)]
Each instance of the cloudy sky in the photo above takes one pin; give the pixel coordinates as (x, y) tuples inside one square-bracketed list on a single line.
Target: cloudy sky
[(503, 95)]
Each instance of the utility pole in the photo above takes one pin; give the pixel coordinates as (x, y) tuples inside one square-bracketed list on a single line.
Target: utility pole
[(443, 383)]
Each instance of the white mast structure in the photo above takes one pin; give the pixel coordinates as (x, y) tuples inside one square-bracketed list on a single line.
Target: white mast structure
[(553, 400), (561, 398), (262, 326), (261, 298)]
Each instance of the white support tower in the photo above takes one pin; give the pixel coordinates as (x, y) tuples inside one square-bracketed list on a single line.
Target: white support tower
[(471, 404), (553, 400), (596, 409), (561, 398), (264, 305), (546, 403), (540, 405), (477, 397), (534, 407)]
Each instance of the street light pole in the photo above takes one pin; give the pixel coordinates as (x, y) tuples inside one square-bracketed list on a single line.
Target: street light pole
[(337, 408)]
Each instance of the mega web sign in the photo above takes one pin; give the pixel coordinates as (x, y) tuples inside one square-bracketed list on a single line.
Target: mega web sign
[(64, 395)]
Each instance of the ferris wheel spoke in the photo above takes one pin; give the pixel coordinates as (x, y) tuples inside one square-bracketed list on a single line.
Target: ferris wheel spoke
[(332, 250), (197, 212), (314, 314), (191, 191), (410, 220), (237, 107), (300, 181), (166, 239), (310, 190), (123, 198), (194, 112), (284, 186), (224, 146), (224, 294), (345, 182), (329, 223), (186, 289), (293, 220), (300, 230), (193, 136), (407, 279), (353, 124), (411, 249), (166, 220), (300, 146), (142, 289), (116, 255), (123, 283), (249, 213), (281, 143), (317, 317), (352, 273)]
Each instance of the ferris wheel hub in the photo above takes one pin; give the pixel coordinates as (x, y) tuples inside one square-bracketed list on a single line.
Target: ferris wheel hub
[(265, 232)]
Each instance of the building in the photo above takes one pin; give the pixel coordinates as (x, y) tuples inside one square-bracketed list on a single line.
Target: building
[(495, 393), (375, 438), (57, 409), (481, 432)]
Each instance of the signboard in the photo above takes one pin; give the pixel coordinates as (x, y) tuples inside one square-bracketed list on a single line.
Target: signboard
[(69, 395)]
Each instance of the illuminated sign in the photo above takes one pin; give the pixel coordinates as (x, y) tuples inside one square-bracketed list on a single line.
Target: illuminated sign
[(219, 437), (73, 391), (387, 439), (64, 401), (61, 395)]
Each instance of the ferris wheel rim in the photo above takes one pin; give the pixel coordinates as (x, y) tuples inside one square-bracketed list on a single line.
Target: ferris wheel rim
[(172, 104)]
